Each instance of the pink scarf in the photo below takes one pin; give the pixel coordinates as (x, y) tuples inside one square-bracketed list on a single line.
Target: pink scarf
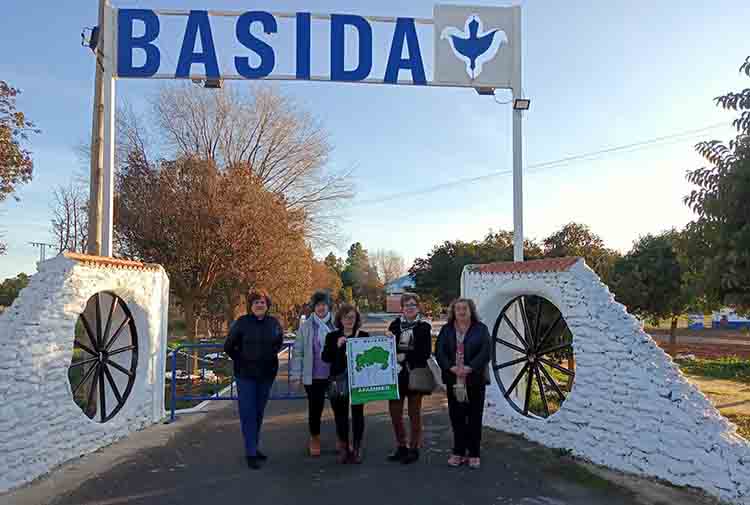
[(459, 389)]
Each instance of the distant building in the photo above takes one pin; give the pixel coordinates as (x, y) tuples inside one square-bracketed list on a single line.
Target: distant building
[(394, 290)]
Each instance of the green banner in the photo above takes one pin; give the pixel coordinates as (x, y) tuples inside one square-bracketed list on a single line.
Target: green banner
[(373, 375)]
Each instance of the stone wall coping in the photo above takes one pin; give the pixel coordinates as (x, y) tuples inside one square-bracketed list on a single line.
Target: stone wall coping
[(103, 261), (532, 266)]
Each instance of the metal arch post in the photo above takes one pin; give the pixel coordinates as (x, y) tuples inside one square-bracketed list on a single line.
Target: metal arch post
[(109, 100), (517, 141)]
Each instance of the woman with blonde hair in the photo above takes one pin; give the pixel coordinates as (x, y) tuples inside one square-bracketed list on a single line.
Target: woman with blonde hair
[(413, 348), (463, 354)]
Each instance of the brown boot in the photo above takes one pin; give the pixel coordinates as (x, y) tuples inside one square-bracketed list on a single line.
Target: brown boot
[(314, 446), (343, 456)]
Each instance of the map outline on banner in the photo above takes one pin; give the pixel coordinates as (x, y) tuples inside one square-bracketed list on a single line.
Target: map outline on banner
[(377, 363)]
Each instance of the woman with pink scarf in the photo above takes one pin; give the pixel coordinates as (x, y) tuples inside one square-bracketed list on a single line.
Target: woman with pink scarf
[(463, 353)]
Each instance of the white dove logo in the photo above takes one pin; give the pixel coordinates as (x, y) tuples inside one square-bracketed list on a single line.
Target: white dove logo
[(474, 46)]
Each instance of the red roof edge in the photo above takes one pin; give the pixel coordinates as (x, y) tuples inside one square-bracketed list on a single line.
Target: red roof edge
[(533, 266), (110, 262)]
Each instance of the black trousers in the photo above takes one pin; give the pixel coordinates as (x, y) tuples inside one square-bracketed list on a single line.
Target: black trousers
[(341, 414), (466, 420), (316, 399)]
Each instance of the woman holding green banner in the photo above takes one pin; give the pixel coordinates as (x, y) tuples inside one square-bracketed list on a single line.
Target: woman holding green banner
[(413, 346), (348, 322), (463, 354)]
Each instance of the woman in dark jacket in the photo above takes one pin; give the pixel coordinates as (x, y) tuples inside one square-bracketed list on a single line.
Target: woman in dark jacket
[(348, 322), (254, 343), (413, 347), (463, 353)]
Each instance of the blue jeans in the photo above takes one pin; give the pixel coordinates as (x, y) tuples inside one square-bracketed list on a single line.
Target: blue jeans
[(253, 396)]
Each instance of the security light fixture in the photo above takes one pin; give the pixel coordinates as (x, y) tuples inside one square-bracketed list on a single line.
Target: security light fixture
[(213, 83), (486, 91), (521, 104)]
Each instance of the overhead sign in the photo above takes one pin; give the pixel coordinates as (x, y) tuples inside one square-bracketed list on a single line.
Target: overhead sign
[(473, 47)]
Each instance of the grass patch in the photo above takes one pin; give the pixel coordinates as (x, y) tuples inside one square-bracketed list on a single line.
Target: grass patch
[(728, 368), (743, 424)]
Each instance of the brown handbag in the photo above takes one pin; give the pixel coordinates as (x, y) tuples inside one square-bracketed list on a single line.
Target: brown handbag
[(421, 380)]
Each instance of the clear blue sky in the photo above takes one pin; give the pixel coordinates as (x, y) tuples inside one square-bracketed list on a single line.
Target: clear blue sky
[(600, 74)]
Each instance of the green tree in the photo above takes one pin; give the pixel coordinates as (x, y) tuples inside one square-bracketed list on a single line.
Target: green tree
[(721, 233), (439, 274), (334, 263), (576, 239), (362, 277), (11, 287), (649, 280)]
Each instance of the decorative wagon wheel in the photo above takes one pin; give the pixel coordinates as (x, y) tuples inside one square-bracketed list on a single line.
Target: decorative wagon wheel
[(105, 357), (544, 350)]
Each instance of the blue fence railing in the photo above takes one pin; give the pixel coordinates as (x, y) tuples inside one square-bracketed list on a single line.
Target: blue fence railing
[(284, 388)]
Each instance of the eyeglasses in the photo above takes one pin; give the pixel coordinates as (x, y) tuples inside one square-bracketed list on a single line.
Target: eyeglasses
[(410, 306)]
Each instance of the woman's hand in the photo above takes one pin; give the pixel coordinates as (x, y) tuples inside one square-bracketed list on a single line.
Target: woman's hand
[(453, 370), (341, 341)]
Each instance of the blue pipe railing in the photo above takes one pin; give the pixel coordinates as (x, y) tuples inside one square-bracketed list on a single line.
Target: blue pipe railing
[(287, 348)]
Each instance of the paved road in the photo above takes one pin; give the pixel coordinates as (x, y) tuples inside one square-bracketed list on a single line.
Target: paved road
[(200, 462)]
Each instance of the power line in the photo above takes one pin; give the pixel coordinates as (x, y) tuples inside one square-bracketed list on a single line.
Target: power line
[(536, 167)]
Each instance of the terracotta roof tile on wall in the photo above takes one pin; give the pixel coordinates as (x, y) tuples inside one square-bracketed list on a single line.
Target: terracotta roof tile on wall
[(546, 265), (110, 262)]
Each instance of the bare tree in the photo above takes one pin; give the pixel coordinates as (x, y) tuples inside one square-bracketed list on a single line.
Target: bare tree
[(70, 218), (389, 264), (257, 130)]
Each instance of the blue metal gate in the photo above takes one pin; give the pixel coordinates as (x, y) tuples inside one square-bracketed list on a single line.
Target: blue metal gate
[(214, 378)]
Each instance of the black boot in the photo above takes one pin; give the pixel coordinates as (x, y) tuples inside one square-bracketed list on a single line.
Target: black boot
[(252, 463), (260, 456), (399, 454), (412, 456)]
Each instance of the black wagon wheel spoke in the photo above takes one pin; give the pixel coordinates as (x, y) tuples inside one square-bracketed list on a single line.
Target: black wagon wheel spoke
[(76, 343), (84, 362), (516, 333), (530, 337), (553, 383), (547, 334), (102, 395), (98, 312), (119, 367), (92, 336), (108, 325), (125, 323), (86, 377), (558, 367), (121, 350), (516, 380), (541, 391), (529, 385), (535, 363), (556, 348), (510, 363), (112, 384), (114, 328), (512, 346)]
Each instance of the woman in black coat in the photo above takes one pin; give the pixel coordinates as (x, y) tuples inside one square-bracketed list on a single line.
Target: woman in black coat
[(254, 343), (413, 347), (348, 322), (463, 353)]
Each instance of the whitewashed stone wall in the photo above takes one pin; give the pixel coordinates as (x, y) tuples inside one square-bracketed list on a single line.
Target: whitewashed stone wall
[(40, 424), (630, 408)]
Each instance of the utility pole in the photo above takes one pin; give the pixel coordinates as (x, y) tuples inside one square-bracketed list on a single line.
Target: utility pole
[(42, 249), (97, 143)]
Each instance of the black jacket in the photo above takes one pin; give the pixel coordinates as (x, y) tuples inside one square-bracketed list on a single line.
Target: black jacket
[(335, 355), (422, 348), (477, 349), (254, 345)]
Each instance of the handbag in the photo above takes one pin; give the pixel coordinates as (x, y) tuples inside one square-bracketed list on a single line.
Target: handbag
[(421, 380), (338, 388)]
